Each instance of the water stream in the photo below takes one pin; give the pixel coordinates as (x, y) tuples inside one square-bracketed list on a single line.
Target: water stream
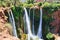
[(33, 23), (27, 21), (12, 21), (30, 35), (40, 25), (28, 24)]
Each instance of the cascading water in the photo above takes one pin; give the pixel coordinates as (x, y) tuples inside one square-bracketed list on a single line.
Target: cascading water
[(30, 35), (40, 25), (25, 28), (28, 24), (33, 24), (12, 21)]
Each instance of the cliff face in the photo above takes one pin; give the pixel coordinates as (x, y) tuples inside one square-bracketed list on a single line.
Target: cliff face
[(5, 30)]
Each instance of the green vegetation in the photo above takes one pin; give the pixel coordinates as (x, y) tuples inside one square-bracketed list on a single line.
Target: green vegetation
[(49, 36), (48, 9), (30, 1), (17, 8)]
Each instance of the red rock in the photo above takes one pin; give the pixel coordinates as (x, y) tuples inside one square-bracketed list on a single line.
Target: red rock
[(4, 30)]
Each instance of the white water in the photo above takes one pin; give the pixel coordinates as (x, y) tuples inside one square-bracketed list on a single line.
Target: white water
[(40, 25), (28, 24), (30, 35), (33, 24), (12, 21)]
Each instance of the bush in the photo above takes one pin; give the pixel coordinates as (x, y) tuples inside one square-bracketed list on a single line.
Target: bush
[(49, 36)]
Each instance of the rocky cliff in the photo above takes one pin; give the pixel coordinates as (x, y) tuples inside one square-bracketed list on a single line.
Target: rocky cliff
[(5, 29)]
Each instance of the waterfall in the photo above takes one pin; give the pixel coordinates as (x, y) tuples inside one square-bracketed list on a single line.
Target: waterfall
[(33, 24), (12, 21), (40, 25), (28, 24), (34, 37), (25, 28), (32, 21)]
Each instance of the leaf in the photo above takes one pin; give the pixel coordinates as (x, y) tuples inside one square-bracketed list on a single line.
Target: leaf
[(49, 35)]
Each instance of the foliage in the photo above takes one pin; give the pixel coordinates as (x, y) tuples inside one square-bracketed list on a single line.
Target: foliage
[(51, 5), (30, 1), (48, 9), (49, 36), (18, 15), (40, 4), (10, 2), (27, 5), (46, 4)]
